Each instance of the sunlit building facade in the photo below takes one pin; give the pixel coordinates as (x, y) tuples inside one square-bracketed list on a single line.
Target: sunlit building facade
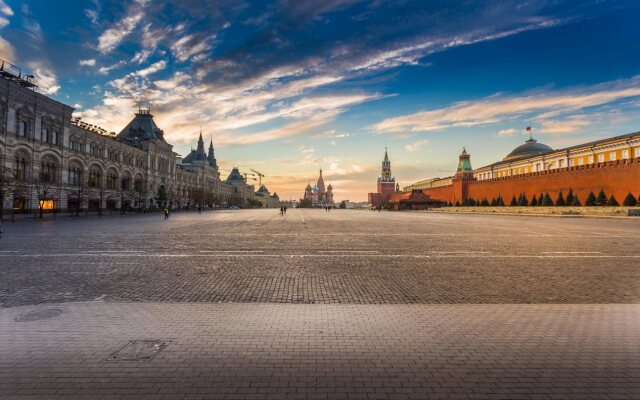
[(51, 161)]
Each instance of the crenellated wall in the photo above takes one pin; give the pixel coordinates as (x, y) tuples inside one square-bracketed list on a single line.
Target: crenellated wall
[(614, 177)]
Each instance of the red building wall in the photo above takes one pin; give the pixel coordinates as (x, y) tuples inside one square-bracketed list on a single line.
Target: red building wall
[(615, 177)]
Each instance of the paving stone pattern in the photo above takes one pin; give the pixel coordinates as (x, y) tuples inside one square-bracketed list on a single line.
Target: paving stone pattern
[(210, 306), (311, 256), (296, 351)]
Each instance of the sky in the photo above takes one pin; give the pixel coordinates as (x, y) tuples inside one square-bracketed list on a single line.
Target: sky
[(288, 87)]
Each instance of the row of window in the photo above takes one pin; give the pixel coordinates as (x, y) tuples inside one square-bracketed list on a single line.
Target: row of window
[(601, 157), (48, 174), (47, 135), (77, 146)]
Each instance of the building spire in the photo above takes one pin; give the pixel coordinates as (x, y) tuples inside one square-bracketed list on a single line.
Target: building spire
[(201, 155), (386, 156)]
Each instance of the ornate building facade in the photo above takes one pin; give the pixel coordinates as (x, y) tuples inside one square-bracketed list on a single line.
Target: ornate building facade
[(386, 184), (610, 165), (51, 161), (318, 194)]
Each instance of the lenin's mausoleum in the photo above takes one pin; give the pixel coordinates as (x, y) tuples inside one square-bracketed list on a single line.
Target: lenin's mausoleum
[(610, 165)]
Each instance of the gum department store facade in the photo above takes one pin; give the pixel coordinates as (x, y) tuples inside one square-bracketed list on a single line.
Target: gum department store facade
[(51, 160)]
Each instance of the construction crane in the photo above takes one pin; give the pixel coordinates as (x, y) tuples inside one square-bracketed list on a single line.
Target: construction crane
[(260, 176), (245, 176)]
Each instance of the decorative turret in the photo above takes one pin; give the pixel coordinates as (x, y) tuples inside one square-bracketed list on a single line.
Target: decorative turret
[(320, 183), (385, 174), (200, 153), (141, 128), (211, 157), (464, 165)]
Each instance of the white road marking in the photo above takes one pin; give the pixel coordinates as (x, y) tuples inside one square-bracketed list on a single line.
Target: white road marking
[(572, 252), (158, 255), (230, 251)]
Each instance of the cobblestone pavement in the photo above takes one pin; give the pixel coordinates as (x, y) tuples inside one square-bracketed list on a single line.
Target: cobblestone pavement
[(311, 256), (328, 351), (112, 308)]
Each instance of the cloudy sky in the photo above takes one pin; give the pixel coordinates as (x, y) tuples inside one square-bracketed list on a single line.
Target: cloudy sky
[(291, 86)]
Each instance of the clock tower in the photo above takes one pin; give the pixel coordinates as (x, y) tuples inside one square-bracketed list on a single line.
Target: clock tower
[(386, 183)]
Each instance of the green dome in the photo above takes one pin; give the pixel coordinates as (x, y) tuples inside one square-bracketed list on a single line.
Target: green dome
[(530, 148)]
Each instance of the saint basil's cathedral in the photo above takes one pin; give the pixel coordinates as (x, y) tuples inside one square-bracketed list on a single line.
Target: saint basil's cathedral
[(318, 195)]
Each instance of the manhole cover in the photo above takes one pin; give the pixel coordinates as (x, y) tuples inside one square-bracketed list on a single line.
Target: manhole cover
[(38, 315), (139, 350)]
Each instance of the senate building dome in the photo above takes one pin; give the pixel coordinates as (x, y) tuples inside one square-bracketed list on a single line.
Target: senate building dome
[(530, 148)]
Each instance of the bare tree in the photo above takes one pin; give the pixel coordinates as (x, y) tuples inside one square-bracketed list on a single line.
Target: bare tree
[(43, 186), (7, 186)]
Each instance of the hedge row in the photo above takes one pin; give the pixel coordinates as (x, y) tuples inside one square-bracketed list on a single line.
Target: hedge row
[(545, 200)]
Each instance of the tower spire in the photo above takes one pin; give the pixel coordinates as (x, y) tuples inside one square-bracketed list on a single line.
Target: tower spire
[(201, 153)]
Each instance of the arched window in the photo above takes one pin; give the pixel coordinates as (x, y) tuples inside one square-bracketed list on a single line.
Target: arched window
[(75, 174), (126, 183), (112, 180), (138, 186), (22, 128), (21, 167), (95, 177), (48, 170)]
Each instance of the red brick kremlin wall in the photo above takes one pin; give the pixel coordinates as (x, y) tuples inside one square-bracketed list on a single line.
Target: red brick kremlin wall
[(615, 177)]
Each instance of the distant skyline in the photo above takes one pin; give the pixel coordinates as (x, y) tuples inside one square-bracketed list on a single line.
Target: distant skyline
[(292, 86)]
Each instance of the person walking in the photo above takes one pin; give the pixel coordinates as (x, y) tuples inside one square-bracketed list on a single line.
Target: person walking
[(166, 213)]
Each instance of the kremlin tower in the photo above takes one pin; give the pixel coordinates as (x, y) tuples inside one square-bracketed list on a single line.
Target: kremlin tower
[(386, 184)]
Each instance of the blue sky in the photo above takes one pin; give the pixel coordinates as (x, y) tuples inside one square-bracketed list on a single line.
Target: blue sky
[(288, 87)]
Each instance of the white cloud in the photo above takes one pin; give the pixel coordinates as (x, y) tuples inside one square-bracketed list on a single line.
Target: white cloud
[(415, 146), (500, 108), (107, 69), (151, 69), (92, 15), (141, 56), (112, 37), (572, 124), (3, 21), (7, 51), (507, 132), (45, 77), (189, 46), (5, 9), (88, 63)]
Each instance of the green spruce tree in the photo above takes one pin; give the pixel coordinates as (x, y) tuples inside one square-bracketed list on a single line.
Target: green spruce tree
[(546, 200), (629, 201), (569, 200), (612, 202), (500, 202), (514, 202), (541, 199), (523, 200), (591, 200), (601, 200), (560, 199), (485, 202), (576, 201), (534, 201)]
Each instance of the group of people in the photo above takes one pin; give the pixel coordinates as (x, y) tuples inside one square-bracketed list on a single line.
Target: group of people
[(283, 210), (327, 208)]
